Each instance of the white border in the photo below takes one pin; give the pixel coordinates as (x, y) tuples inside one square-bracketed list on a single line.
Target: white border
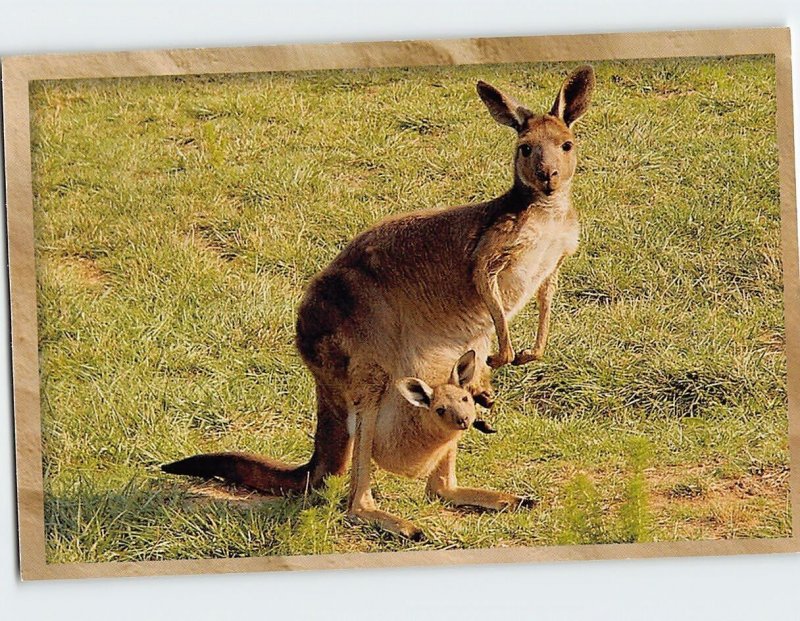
[(697, 588)]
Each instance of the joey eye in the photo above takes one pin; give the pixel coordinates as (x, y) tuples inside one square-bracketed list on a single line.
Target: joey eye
[(464, 398), (567, 146), (440, 411), (525, 150)]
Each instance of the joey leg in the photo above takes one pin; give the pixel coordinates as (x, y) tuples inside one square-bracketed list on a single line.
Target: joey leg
[(367, 511), (442, 483)]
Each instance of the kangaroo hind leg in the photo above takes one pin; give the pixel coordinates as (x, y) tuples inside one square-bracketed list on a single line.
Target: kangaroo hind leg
[(332, 441), (442, 483), (369, 384)]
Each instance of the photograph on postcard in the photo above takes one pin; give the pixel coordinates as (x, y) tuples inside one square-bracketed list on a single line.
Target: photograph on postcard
[(275, 275)]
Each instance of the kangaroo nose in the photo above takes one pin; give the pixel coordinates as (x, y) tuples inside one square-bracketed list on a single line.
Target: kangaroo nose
[(546, 175), (462, 422)]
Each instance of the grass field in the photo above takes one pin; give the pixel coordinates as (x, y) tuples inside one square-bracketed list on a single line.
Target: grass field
[(178, 221)]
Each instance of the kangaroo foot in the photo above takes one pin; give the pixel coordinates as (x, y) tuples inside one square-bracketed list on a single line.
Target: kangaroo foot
[(484, 499), (390, 523), (513, 502), (525, 356), (527, 502)]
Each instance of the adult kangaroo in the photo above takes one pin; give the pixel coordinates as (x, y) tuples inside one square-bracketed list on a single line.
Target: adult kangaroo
[(408, 296)]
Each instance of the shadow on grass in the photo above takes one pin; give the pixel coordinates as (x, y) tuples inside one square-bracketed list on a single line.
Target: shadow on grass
[(559, 389), (151, 519)]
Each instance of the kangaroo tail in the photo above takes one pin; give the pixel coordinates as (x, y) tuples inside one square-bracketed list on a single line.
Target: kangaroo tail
[(331, 452), (253, 471)]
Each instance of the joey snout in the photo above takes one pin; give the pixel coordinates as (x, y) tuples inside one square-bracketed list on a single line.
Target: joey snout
[(457, 418)]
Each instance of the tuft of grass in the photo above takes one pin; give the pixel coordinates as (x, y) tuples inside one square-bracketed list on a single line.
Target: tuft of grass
[(635, 521), (582, 514), (179, 219)]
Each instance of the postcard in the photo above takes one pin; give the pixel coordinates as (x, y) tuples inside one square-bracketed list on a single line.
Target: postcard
[(405, 303)]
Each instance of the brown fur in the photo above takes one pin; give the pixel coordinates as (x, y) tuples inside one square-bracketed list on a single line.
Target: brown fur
[(408, 295)]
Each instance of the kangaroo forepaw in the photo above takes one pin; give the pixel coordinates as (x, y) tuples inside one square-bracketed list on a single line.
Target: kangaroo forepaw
[(525, 356), (485, 398), (495, 361)]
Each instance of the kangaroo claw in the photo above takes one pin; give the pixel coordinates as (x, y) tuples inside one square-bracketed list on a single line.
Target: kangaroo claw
[(526, 502), (485, 398), (495, 361), (525, 356), (415, 535)]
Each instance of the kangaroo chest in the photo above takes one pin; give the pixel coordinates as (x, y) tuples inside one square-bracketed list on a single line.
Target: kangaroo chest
[(534, 255)]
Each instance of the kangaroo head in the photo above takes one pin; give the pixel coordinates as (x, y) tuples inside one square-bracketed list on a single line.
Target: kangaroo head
[(545, 159), (450, 404)]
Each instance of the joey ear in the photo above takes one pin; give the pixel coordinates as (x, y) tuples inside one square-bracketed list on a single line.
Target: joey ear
[(416, 392), (575, 95), (464, 369), (503, 109)]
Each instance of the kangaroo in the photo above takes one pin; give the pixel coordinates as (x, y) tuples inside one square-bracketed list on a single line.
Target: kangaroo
[(408, 295), (416, 436)]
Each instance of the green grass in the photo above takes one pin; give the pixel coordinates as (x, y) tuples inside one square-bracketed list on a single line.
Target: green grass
[(179, 219)]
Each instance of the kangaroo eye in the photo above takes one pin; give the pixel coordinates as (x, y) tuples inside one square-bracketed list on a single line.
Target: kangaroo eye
[(464, 399), (440, 411), (567, 146), (526, 150)]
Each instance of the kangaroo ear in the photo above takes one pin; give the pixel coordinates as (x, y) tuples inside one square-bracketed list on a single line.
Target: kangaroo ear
[(503, 109), (464, 369), (416, 392), (575, 95)]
